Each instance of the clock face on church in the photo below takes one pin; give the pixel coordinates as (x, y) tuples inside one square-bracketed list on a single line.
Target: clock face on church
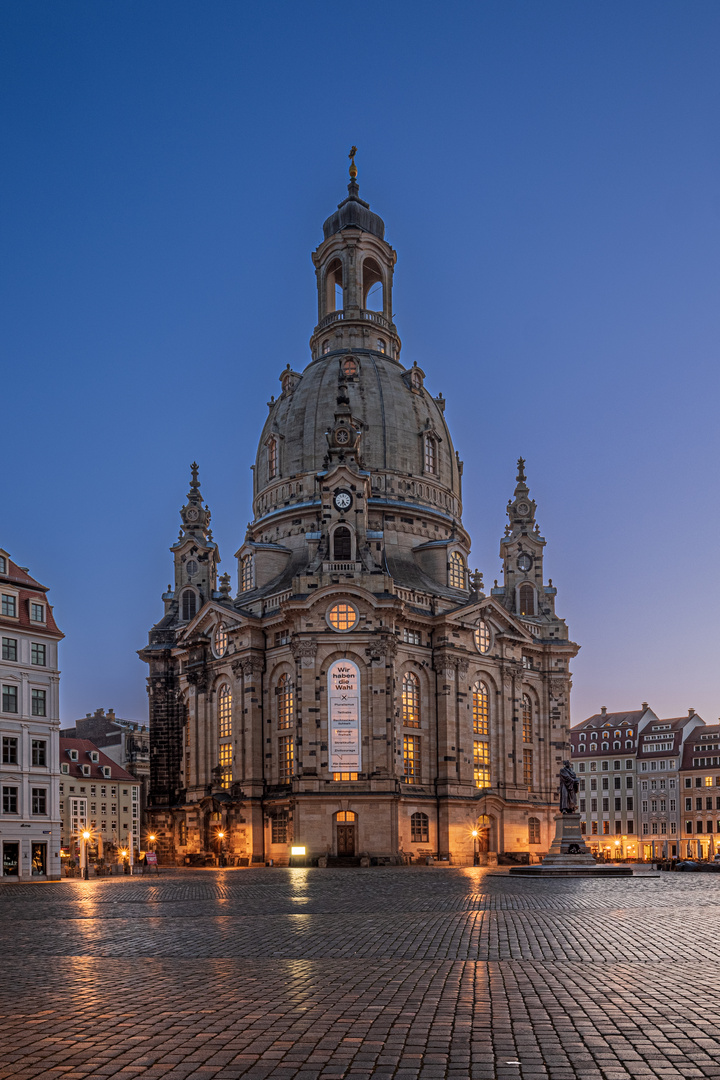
[(524, 563), (342, 436), (342, 500)]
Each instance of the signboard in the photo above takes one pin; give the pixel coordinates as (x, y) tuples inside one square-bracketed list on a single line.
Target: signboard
[(344, 716), (151, 858)]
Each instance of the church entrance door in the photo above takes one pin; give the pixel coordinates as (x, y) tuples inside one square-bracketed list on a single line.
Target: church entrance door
[(345, 841)]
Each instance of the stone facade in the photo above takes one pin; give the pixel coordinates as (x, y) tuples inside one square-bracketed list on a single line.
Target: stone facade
[(356, 555), (126, 742), (29, 727)]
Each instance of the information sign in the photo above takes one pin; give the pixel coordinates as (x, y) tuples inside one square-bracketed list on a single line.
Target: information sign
[(344, 716)]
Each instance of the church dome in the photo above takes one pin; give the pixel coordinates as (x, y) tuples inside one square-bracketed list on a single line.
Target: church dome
[(356, 214), (395, 414)]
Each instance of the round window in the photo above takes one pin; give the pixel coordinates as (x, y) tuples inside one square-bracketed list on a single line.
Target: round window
[(221, 640), (191, 568), (349, 368), (482, 637), (342, 616)]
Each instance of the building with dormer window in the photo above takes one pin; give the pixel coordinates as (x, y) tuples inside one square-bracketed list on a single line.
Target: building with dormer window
[(360, 696)]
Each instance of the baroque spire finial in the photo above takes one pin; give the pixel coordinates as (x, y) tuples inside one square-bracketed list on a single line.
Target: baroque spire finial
[(521, 478), (353, 166), (194, 483)]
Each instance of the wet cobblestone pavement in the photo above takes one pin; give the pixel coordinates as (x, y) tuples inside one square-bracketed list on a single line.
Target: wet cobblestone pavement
[(401, 973)]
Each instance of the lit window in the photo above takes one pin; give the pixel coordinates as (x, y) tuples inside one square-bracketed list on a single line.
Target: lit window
[(345, 815), (381, 345), (411, 700), (456, 571), (708, 781), (481, 764), (533, 830), (342, 616), (39, 703), (189, 605), (221, 640), (272, 458), (225, 712), (286, 702), (325, 348), (37, 612), (286, 757), (349, 368), (225, 764), (419, 831), (480, 708), (526, 597), (9, 606), (430, 455), (246, 573), (528, 768), (527, 719), (344, 776), (411, 758), (482, 637), (37, 654)]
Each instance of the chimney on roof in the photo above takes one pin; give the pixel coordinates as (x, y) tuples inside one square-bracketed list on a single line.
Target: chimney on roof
[(99, 712), (691, 712), (603, 710), (88, 715), (644, 706), (111, 714)]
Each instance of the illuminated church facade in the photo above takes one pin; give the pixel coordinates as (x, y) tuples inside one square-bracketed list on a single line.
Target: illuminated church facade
[(360, 696)]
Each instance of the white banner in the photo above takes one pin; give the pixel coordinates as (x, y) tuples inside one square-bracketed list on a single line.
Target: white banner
[(344, 716)]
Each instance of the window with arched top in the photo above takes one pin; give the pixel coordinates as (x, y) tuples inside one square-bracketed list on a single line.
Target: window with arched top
[(225, 712), (381, 346), (373, 292), (430, 455), (616, 746), (286, 702), (325, 348), (342, 544), (411, 700), (346, 815), (419, 828), (533, 830), (527, 718), (456, 570), (481, 634), (334, 286), (272, 458), (526, 599), (189, 605), (480, 708), (246, 573)]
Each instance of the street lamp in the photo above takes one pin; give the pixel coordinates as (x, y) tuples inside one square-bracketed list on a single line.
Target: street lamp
[(84, 855), (475, 847), (220, 836)]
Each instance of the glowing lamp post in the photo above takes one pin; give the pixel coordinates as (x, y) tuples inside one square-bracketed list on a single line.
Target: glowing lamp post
[(84, 855), (475, 847), (221, 859)]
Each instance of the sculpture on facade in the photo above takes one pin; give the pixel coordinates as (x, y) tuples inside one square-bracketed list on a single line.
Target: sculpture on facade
[(568, 789)]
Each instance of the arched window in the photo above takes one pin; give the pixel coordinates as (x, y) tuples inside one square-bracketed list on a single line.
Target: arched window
[(373, 298), (325, 348), (334, 282), (272, 458), (342, 544), (381, 347), (246, 568), (616, 746), (411, 700), (456, 571), (481, 634), (526, 596), (533, 830), (189, 605), (582, 736), (527, 718), (419, 831), (480, 709), (225, 712), (430, 455), (346, 815), (286, 702)]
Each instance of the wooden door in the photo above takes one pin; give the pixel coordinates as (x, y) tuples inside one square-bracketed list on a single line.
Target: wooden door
[(345, 840)]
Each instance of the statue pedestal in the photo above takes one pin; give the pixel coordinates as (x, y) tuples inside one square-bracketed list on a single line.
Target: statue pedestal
[(569, 855)]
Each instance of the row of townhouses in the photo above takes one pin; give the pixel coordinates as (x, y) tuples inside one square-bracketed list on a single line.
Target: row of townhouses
[(649, 787), (54, 785)]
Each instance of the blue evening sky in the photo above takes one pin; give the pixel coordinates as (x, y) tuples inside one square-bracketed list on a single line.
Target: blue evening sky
[(548, 174)]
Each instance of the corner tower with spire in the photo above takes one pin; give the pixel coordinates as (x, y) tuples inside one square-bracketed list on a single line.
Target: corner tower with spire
[(354, 575)]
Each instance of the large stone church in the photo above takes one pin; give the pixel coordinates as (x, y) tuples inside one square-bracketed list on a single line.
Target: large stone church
[(360, 697)]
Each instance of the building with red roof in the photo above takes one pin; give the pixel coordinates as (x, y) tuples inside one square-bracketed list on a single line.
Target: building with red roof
[(98, 795)]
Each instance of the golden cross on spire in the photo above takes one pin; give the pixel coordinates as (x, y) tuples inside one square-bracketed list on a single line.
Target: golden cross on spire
[(353, 166)]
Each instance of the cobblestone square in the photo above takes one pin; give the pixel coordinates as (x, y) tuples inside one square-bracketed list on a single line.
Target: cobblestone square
[(384, 973)]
